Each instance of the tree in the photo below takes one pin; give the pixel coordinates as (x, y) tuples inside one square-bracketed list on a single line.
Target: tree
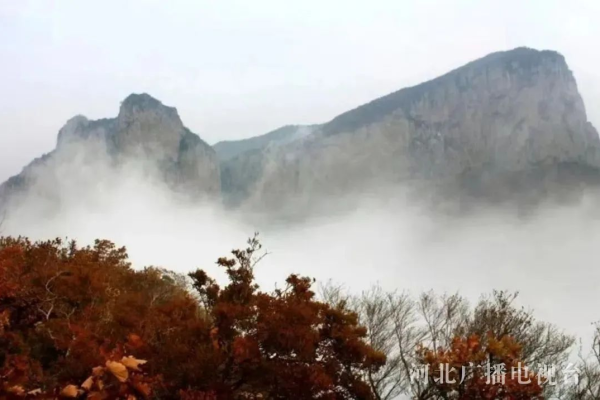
[(79, 321), (285, 344), (467, 370), (398, 324), (587, 386), (541, 343), (66, 310)]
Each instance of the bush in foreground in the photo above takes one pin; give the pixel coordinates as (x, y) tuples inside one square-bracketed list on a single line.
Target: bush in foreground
[(80, 322)]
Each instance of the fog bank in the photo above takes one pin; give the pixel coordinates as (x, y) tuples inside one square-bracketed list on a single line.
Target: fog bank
[(549, 256)]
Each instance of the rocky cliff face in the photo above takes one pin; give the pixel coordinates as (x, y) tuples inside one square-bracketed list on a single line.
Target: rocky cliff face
[(500, 116), (230, 149), (146, 134), (510, 123), (242, 161)]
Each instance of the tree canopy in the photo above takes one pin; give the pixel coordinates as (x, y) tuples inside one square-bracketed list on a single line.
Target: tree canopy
[(80, 322)]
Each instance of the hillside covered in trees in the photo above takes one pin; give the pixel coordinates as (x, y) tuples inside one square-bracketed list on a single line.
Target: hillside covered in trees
[(79, 322)]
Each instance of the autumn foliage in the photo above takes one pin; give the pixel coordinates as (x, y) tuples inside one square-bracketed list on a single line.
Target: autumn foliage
[(465, 371), (79, 322)]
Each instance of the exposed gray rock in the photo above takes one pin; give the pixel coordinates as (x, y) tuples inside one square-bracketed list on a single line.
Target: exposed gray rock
[(145, 133), (501, 116), (228, 149), (242, 162), (511, 123)]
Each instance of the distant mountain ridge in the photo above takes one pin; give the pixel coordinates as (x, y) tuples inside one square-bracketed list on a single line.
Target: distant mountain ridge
[(229, 149), (404, 98), (480, 130), (510, 122), (145, 131)]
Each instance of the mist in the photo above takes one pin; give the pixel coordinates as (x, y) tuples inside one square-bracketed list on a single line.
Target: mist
[(548, 256)]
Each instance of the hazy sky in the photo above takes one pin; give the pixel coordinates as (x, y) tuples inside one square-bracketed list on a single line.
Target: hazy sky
[(241, 68)]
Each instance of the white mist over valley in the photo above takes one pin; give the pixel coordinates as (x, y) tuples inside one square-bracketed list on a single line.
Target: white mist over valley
[(419, 162), (549, 255)]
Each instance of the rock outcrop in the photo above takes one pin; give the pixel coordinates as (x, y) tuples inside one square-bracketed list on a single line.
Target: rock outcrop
[(511, 123), (146, 134), (229, 149), (478, 127), (242, 161)]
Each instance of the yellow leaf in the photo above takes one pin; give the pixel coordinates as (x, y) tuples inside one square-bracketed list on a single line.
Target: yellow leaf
[(87, 384), (70, 391), (132, 363), (118, 370)]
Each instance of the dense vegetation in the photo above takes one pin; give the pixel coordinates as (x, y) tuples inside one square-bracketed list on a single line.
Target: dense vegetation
[(79, 322)]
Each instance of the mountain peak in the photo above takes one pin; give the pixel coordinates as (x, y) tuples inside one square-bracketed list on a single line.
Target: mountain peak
[(524, 59), (480, 127), (495, 74), (142, 100), (142, 103)]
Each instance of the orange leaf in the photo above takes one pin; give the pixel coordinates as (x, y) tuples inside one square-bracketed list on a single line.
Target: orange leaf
[(132, 363), (118, 370), (87, 384), (70, 391)]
